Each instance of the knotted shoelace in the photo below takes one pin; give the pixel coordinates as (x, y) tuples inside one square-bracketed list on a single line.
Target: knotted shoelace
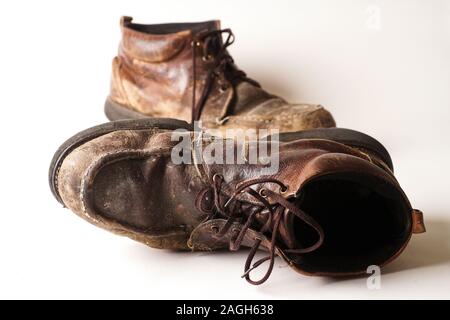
[(234, 210)]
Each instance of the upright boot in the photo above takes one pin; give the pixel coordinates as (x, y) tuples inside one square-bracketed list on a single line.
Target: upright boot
[(184, 71), (332, 208)]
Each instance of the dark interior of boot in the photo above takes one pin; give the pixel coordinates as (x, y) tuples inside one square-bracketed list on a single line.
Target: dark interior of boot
[(167, 28), (365, 222)]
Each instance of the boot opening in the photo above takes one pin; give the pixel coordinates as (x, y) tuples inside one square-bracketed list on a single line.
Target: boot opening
[(168, 28), (365, 220)]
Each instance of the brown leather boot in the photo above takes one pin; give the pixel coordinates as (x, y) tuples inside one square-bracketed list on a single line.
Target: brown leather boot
[(184, 71), (332, 208)]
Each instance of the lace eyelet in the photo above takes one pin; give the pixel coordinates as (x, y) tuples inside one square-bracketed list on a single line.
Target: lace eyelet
[(223, 88), (207, 58), (217, 176), (214, 229), (263, 192), (284, 189)]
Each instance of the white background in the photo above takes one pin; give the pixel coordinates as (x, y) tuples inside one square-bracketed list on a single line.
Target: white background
[(382, 67)]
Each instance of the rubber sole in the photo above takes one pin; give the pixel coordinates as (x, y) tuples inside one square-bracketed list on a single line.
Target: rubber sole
[(115, 111), (97, 131)]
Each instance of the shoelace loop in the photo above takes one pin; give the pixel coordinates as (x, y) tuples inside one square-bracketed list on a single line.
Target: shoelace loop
[(234, 210)]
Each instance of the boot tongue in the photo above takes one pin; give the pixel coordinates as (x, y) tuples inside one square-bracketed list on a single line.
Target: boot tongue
[(202, 27), (286, 230), (287, 234), (307, 237)]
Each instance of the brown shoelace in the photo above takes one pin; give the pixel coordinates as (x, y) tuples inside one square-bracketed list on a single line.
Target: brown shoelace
[(235, 210), (222, 68)]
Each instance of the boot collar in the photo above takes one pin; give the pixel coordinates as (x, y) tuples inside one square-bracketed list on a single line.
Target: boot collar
[(160, 42)]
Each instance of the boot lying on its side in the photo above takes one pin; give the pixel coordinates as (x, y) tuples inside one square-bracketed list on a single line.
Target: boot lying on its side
[(332, 208), (184, 71)]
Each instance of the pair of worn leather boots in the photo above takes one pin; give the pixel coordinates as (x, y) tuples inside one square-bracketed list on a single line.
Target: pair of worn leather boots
[(331, 207)]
